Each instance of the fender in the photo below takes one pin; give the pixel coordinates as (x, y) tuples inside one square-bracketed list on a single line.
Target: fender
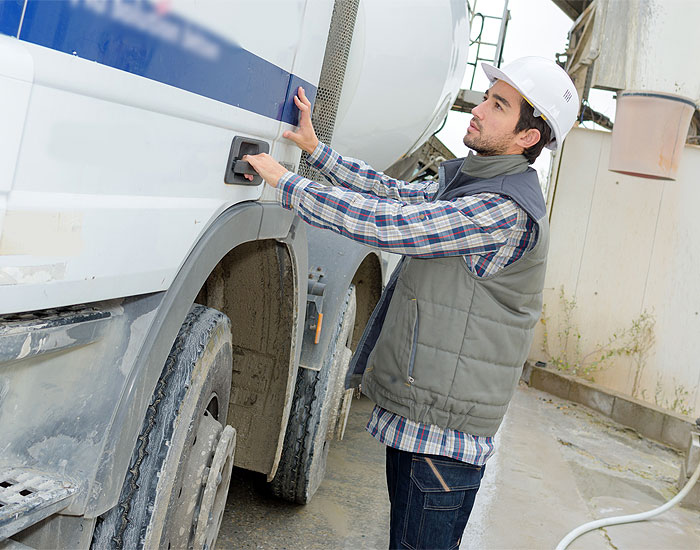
[(241, 223)]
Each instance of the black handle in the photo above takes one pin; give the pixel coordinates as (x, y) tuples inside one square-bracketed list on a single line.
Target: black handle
[(237, 168), (243, 167)]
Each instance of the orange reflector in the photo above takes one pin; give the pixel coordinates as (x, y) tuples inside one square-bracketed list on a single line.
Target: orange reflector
[(318, 328)]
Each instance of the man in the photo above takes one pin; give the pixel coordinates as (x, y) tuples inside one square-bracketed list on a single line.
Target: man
[(444, 348)]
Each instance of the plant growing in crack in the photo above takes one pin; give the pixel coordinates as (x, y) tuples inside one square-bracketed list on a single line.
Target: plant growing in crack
[(679, 402), (641, 339), (635, 342)]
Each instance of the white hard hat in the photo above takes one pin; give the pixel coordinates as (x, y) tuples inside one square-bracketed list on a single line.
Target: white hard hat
[(547, 87)]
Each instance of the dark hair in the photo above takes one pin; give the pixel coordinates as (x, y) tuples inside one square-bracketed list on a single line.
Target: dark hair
[(527, 121)]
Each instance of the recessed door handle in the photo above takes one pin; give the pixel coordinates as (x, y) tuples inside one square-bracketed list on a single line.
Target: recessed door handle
[(237, 168), (243, 167)]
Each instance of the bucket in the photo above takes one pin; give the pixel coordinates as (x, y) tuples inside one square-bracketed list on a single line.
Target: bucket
[(649, 133)]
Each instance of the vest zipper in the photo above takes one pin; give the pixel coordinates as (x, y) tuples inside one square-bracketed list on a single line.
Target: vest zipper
[(414, 343)]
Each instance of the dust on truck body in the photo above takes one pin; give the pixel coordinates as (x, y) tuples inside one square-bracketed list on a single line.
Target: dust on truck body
[(160, 315)]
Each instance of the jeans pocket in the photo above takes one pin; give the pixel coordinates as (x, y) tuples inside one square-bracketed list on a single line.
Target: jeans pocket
[(440, 474), (441, 495)]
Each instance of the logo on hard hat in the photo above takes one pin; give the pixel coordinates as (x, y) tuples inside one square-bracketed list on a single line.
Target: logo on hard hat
[(567, 95)]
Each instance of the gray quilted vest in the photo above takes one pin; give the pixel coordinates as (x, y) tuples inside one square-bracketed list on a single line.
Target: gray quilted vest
[(444, 346)]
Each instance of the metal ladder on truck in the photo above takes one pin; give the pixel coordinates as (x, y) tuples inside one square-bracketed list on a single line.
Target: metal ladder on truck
[(488, 23)]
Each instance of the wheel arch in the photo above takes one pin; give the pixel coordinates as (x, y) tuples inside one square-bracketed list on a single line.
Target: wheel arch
[(255, 286), (244, 225), (368, 289)]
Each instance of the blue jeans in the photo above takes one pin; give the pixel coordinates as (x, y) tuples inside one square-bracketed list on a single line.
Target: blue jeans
[(431, 498)]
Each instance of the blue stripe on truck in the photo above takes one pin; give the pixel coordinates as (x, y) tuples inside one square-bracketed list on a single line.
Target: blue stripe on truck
[(10, 15), (143, 39)]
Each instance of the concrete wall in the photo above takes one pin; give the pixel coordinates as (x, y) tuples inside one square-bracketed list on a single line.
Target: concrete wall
[(622, 245)]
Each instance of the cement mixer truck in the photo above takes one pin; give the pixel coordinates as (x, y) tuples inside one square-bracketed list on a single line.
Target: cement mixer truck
[(161, 317)]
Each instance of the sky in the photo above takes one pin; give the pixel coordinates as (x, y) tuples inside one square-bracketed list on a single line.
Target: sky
[(536, 27)]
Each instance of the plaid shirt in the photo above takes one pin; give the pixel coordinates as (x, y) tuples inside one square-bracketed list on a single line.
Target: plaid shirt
[(489, 230)]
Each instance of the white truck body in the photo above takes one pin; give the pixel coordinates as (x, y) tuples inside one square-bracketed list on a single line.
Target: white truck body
[(100, 158)]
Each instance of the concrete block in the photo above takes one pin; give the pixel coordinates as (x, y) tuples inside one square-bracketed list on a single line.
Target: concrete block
[(550, 382), (647, 421), (527, 372), (592, 397), (692, 458), (676, 431), (692, 499)]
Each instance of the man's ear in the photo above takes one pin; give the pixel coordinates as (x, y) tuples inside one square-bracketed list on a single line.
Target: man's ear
[(528, 138)]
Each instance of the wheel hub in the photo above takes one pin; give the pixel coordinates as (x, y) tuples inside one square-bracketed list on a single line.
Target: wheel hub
[(215, 491)]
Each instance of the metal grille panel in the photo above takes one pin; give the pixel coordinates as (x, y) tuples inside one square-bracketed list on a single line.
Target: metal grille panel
[(27, 497), (330, 84)]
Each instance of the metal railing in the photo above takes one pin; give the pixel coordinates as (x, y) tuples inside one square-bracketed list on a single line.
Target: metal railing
[(484, 23)]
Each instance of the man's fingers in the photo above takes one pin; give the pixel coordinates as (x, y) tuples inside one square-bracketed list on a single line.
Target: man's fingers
[(304, 112), (290, 135), (252, 159), (303, 107), (247, 158), (293, 136), (302, 96)]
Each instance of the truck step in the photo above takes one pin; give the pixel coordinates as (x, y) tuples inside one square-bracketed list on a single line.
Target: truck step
[(27, 497)]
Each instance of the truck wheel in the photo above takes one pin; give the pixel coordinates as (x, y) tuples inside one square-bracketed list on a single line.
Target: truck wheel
[(176, 486), (312, 420)]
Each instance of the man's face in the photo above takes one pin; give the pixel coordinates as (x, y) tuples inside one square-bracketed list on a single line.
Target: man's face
[(491, 131)]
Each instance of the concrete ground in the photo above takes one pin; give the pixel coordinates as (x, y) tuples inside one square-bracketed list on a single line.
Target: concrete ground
[(559, 465)]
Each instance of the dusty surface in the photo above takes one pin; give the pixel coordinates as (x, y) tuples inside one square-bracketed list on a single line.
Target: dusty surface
[(559, 465), (350, 509)]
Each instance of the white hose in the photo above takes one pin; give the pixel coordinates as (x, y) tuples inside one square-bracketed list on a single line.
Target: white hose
[(568, 539)]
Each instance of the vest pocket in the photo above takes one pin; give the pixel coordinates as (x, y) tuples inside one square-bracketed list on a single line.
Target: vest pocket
[(390, 363), (414, 340)]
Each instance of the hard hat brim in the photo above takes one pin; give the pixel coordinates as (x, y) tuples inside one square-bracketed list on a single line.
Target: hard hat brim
[(494, 73)]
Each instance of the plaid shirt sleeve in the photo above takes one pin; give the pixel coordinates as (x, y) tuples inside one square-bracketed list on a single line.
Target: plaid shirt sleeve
[(479, 225), (357, 175)]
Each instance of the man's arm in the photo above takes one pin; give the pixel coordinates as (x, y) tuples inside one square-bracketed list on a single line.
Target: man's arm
[(475, 225), (359, 176)]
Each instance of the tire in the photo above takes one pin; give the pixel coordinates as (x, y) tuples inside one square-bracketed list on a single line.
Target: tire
[(317, 397), (166, 500)]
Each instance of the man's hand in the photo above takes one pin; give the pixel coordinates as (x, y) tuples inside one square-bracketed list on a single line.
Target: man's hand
[(304, 136), (270, 170)]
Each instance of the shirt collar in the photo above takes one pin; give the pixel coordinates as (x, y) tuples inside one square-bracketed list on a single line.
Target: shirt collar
[(494, 165)]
